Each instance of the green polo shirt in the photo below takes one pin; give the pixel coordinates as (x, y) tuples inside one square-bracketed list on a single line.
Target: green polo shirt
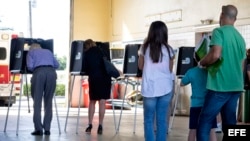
[(230, 74)]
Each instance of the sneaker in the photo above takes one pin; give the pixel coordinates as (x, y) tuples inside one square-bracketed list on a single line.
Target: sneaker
[(218, 129)]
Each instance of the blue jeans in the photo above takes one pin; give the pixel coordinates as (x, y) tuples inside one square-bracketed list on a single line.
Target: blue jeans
[(215, 102), (156, 106)]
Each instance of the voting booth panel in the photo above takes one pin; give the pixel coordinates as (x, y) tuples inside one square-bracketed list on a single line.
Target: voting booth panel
[(130, 65), (185, 60), (76, 57)]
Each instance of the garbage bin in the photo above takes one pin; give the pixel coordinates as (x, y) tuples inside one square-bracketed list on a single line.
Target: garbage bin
[(85, 90), (77, 88), (115, 91), (246, 106)]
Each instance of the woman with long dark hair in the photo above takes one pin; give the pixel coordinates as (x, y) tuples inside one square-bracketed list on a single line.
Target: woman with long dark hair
[(156, 60)]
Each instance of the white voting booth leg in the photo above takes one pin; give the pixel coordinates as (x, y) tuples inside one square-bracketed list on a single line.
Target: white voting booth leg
[(112, 100), (175, 106), (11, 91), (70, 101), (122, 107), (79, 105), (58, 121), (118, 126), (136, 98), (19, 106)]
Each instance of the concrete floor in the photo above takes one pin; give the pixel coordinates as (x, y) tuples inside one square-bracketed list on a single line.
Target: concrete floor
[(128, 130)]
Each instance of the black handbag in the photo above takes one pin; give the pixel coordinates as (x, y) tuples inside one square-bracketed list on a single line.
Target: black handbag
[(109, 67)]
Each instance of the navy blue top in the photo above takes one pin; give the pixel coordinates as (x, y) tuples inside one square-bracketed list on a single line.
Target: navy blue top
[(99, 80), (41, 57)]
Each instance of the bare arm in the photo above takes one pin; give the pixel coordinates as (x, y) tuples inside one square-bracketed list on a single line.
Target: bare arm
[(141, 62), (171, 64), (213, 55)]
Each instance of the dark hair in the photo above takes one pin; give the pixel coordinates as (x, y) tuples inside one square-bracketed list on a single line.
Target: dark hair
[(157, 35), (88, 44), (230, 11), (248, 53)]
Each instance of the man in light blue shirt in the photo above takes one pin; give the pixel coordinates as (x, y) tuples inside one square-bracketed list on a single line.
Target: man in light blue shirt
[(43, 83)]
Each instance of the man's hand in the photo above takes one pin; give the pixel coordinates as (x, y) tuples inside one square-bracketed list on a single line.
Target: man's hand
[(200, 66)]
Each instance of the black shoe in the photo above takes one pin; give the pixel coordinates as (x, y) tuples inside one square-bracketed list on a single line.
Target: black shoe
[(99, 130), (47, 133), (37, 133), (88, 129)]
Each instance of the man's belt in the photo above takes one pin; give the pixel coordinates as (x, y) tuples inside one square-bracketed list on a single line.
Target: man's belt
[(43, 66)]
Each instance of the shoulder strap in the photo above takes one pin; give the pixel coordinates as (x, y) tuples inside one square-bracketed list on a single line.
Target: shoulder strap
[(100, 49), (104, 55)]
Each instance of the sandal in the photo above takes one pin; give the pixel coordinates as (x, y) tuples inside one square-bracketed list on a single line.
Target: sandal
[(88, 129), (99, 130)]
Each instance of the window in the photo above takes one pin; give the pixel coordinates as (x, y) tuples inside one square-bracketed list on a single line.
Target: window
[(3, 53)]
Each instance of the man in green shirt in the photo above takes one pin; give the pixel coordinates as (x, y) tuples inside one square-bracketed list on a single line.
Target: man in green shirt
[(226, 85)]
